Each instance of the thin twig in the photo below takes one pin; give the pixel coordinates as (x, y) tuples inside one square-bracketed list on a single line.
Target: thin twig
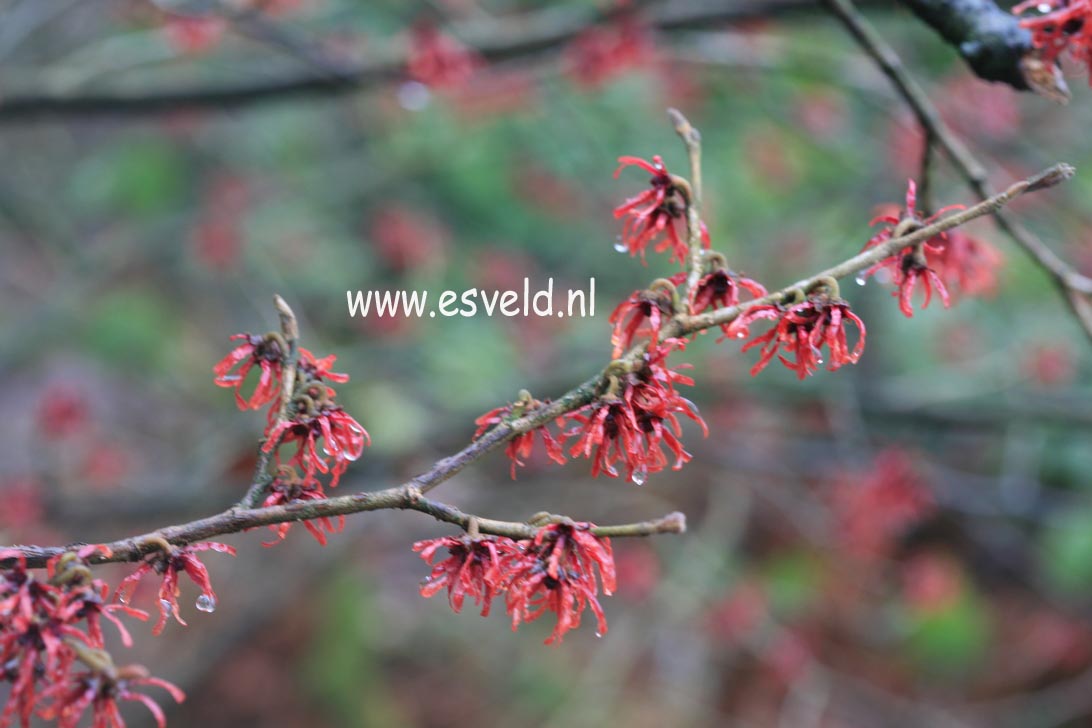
[(691, 138), (403, 497), (925, 174), (1075, 287), (529, 36), (1047, 178), (290, 331)]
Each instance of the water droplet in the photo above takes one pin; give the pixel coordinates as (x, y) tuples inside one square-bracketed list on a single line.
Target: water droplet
[(741, 335), (621, 247), (414, 96), (860, 280), (164, 605), (1044, 7), (206, 603), (639, 476), (599, 635), (123, 598), (819, 360)]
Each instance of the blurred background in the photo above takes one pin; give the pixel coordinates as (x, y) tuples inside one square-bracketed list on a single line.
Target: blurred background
[(905, 542)]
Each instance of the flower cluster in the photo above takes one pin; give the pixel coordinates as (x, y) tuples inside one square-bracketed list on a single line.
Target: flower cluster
[(600, 53), (801, 330), (642, 314), (438, 60), (720, 287), (966, 263), (314, 416), (1059, 25), (559, 570), (876, 506), (520, 447), (910, 265), (52, 645), (653, 215), (634, 418), (169, 563), (325, 436), (287, 488), (473, 566)]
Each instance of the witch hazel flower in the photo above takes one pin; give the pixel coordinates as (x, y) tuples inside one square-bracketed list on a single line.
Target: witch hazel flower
[(169, 563), (635, 418), (438, 60), (643, 314), (966, 263), (46, 625), (801, 328), (86, 598), (878, 505), (654, 216), (474, 567), (521, 446), (560, 570), (1057, 26), (313, 416), (288, 487), (720, 288), (267, 353), (100, 689), (602, 52), (910, 265), (312, 367)]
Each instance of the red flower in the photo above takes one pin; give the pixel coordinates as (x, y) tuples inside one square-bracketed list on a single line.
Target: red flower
[(473, 566), (636, 417), (629, 318), (599, 53), (61, 412), (556, 572), (286, 488), (521, 446), (315, 415), (46, 625), (101, 691), (170, 565), (966, 262), (801, 330), (655, 212), (85, 598), (910, 265), (875, 507), (719, 289), (438, 60), (193, 35), (913, 267), (320, 368), (268, 353), (1061, 24)]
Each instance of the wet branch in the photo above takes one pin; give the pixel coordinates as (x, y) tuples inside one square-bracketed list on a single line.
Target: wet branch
[(1075, 287), (411, 495)]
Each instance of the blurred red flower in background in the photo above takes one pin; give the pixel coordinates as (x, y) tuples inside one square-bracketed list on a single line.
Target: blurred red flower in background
[(875, 508)]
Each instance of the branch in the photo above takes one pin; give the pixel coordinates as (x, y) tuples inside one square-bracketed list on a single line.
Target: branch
[(691, 138), (403, 497), (1075, 287), (992, 42), (1047, 178), (525, 37), (411, 495), (290, 332)]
